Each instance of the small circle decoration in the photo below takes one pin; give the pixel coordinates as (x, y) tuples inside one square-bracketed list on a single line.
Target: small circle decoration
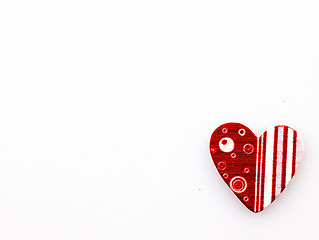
[(226, 144), (213, 150), (221, 165), (248, 148), (242, 132), (238, 184)]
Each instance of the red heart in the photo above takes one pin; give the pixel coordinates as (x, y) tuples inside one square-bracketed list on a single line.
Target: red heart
[(257, 169)]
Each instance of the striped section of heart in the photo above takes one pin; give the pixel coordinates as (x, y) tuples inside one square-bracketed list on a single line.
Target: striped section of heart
[(279, 154), (257, 169)]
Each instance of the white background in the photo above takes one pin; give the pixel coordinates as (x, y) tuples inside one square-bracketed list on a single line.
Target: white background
[(107, 107)]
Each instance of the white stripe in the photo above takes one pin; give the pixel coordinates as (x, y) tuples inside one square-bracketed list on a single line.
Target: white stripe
[(299, 150), (256, 181), (268, 167), (280, 146), (260, 169), (290, 146)]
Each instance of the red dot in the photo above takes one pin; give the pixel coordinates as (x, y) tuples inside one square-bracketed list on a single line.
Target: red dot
[(238, 185), (225, 175), (246, 199), (246, 170)]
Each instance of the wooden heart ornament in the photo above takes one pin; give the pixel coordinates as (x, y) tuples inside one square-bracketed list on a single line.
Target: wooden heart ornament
[(257, 169)]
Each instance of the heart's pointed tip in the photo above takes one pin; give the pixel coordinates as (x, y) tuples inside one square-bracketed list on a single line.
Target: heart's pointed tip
[(256, 212), (253, 210)]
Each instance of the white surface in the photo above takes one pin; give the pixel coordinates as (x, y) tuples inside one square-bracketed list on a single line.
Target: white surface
[(107, 107)]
